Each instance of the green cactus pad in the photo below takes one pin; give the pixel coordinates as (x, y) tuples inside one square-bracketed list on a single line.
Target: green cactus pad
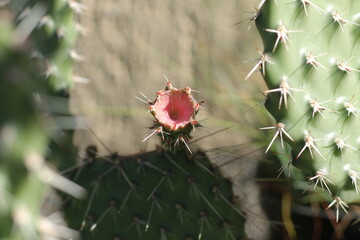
[(26, 47), (154, 195), (314, 90)]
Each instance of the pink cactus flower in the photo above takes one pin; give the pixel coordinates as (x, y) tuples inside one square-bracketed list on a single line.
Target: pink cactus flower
[(175, 108)]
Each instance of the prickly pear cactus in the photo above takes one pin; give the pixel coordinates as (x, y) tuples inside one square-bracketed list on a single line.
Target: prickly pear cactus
[(158, 194), (154, 195), (26, 116), (311, 66)]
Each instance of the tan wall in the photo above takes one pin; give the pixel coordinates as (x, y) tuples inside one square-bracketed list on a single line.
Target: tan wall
[(130, 44)]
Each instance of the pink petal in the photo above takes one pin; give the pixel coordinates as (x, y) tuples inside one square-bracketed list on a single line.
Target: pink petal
[(174, 108)]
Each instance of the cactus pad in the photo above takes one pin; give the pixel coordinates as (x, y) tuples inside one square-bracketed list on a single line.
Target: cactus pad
[(154, 195), (314, 90)]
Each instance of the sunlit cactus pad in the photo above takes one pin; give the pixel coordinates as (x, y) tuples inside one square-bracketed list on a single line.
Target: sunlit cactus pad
[(312, 71), (154, 195)]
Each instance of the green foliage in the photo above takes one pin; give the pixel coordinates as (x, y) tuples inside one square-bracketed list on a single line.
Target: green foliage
[(154, 195), (313, 83)]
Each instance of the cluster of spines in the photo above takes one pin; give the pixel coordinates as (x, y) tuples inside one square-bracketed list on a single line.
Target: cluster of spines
[(313, 108)]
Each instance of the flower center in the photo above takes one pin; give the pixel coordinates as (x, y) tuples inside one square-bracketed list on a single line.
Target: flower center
[(174, 114)]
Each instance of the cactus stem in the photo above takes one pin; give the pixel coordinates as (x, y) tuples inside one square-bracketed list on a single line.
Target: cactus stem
[(310, 144), (280, 130), (282, 35), (338, 203), (320, 176), (284, 90)]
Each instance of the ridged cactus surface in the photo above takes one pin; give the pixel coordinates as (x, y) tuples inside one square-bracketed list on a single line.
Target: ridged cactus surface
[(311, 67), (154, 195)]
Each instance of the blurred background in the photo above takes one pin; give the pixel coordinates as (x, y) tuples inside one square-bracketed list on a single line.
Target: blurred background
[(129, 45)]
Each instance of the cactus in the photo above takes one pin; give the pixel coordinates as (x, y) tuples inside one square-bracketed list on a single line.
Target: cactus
[(21, 138), (174, 111), (25, 176), (53, 39), (158, 194), (310, 65), (27, 108)]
